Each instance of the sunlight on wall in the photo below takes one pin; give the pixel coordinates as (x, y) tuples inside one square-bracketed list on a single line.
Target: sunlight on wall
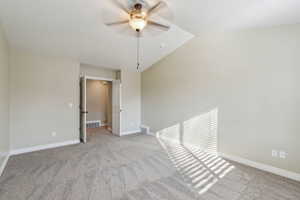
[(192, 147), (200, 169), (172, 132), (199, 131)]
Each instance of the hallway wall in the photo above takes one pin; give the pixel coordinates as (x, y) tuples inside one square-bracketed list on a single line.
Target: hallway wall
[(99, 101), (4, 98), (131, 101)]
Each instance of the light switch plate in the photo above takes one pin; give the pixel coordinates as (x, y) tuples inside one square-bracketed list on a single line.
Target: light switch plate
[(274, 153)]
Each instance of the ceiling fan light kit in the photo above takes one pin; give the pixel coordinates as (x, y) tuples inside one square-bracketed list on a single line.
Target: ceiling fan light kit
[(139, 19)]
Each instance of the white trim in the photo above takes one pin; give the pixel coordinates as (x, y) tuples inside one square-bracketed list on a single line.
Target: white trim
[(145, 128), (116, 108), (148, 132), (93, 121), (261, 166), (96, 121), (264, 167), (153, 134), (130, 132), (103, 79), (3, 164), (98, 78), (43, 147)]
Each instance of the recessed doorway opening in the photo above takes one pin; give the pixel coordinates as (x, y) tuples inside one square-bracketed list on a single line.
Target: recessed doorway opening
[(99, 106)]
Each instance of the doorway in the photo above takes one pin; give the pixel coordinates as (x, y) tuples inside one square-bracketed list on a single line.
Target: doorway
[(99, 106)]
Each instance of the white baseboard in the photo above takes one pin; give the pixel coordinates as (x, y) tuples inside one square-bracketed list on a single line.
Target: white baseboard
[(145, 129), (130, 132), (264, 167), (152, 134), (93, 121), (96, 121), (43, 147), (3, 164), (261, 166)]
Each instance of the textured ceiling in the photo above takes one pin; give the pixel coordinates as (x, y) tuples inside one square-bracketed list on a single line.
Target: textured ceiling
[(74, 28), (197, 16)]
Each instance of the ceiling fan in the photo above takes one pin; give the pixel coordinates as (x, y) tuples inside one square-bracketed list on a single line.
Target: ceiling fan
[(139, 16)]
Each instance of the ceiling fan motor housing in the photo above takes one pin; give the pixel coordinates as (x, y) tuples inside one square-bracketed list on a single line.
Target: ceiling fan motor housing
[(138, 15), (133, 3)]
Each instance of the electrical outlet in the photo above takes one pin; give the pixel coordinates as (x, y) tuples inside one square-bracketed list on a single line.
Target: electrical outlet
[(274, 153), (53, 134), (282, 154), (162, 45), (70, 105)]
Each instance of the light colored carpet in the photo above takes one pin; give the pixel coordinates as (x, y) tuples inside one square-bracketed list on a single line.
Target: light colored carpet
[(136, 167)]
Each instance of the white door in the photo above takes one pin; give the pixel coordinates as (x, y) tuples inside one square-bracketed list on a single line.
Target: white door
[(83, 111), (116, 107)]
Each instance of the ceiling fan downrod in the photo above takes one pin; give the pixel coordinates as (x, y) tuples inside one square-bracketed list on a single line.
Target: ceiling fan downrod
[(138, 51)]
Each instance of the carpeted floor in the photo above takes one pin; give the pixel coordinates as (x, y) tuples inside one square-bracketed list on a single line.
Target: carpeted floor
[(136, 167)]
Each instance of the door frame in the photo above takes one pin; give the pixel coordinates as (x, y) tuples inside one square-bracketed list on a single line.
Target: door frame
[(93, 78), (119, 111), (82, 109), (98, 78)]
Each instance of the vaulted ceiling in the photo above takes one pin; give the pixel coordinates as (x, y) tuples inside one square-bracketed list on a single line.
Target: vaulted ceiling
[(74, 28)]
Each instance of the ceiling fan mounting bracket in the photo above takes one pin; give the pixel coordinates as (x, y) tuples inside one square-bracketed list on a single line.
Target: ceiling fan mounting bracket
[(138, 6)]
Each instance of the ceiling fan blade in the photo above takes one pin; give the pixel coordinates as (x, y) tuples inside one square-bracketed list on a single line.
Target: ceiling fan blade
[(153, 23), (121, 6), (154, 8), (117, 23)]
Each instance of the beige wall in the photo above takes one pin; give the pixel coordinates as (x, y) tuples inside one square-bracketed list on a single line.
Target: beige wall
[(131, 101), (243, 86), (41, 90), (99, 101), (90, 70), (4, 97)]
